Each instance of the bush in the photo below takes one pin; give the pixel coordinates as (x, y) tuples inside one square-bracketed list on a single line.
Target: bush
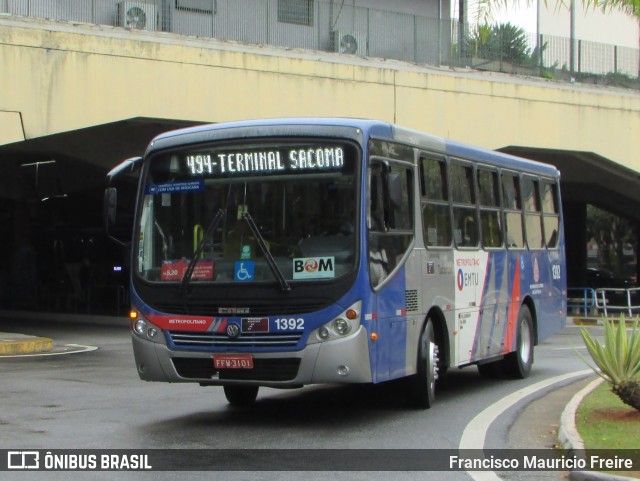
[(618, 360)]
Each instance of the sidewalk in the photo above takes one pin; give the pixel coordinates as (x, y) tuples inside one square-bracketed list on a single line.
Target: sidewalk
[(20, 344), (15, 344)]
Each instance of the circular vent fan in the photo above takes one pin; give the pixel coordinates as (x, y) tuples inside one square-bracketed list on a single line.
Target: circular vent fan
[(348, 44), (136, 18)]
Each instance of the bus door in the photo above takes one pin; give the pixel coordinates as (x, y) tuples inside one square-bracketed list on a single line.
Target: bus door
[(470, 270), (394, 268)]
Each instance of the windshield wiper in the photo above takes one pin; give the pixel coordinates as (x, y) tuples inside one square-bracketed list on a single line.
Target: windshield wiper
[(284, 285), (184, 284)]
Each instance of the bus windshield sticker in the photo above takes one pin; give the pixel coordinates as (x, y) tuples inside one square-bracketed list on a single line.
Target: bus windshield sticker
[(245, 253), (250, 162), (314, 268), (174, 270), (244, 271), (175, 187)]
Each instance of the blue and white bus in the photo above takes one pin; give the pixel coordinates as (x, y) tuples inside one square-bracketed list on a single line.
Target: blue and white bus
[(290, 252)]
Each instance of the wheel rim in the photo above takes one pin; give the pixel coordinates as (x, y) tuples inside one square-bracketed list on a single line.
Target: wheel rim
[(433, 365), (525, 343)]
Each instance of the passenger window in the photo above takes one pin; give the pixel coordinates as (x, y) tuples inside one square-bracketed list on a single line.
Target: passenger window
[(514, 235), (532, 213), (390, 217), (489, 201), (465, 219), (550, 214), (436, 214)]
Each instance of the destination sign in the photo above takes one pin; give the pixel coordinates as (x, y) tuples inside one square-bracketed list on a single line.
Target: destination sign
[(312, 158)]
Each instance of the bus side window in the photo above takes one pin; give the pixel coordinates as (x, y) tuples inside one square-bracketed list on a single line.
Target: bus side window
[(532, 213), (465, 222), (550, 214), (489, 201), (436, 215), (512, 211), (390, 217)]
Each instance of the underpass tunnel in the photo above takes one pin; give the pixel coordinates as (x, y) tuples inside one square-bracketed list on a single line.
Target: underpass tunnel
[(58, 258), (57, 255), (588, 179)]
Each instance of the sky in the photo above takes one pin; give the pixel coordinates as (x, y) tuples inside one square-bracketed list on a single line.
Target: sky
[(522, 13)]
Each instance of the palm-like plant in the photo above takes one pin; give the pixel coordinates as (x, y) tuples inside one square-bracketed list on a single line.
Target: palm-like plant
[(618, 360), (485, 8), (500, 42)]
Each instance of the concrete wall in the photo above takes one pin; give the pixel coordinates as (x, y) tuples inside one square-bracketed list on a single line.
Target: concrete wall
[(59, 77), (409, 29)]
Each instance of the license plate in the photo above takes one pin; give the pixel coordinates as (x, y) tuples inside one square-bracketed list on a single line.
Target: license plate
[(233, 361)]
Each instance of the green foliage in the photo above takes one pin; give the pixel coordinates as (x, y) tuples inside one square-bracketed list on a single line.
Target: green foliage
[(618, 360), (500, 42)]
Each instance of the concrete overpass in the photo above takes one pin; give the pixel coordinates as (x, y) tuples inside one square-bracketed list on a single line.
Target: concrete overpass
[(88, 96)]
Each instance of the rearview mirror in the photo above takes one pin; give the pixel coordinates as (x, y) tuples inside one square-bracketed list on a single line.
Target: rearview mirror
[(120, 177)]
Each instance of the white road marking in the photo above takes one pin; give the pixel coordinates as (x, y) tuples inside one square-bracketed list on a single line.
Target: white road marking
[(474, 435), (78, 348)]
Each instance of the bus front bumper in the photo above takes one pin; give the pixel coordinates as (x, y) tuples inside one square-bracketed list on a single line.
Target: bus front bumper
[(343, 360)]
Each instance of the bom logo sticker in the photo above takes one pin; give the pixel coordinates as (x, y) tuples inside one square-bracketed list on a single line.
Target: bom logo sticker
[(314, 268)]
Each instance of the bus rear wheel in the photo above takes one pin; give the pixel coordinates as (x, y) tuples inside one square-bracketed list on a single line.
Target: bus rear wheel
[(241, 395), (422, 385), (517, 364)]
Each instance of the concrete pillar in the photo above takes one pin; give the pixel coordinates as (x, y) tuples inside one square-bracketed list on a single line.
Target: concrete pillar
[(575, 228)]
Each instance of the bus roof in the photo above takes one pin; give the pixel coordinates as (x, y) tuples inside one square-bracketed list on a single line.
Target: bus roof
[(370, 129)]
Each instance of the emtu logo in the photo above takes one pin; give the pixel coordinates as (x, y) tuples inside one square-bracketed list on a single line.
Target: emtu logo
[(460, 279)]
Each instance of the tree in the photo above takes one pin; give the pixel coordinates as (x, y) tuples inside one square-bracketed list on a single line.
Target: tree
[(499, 42), (611, 233), (630, 7)]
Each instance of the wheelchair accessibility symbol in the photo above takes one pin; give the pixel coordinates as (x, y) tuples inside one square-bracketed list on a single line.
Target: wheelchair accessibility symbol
[(244, 271)]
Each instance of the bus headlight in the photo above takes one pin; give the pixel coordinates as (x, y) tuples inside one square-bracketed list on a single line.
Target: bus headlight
[(140, 326), (342, 325), (144, 329), (323, 333)]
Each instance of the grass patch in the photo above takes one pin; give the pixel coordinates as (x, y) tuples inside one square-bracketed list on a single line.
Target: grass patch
[(605, 422)]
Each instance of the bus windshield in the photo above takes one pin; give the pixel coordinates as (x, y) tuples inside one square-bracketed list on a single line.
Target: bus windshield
[(250, 212)]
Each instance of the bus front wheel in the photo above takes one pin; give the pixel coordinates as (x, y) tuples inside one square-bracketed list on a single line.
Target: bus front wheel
[(422, 385), (241, 395), (517, 364)]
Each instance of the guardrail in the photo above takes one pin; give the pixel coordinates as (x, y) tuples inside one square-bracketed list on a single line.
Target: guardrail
[(581, 301), (594, 302)]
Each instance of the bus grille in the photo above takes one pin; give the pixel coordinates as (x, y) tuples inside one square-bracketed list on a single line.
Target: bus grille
[(207, 308), (205, 340), (263, 369)]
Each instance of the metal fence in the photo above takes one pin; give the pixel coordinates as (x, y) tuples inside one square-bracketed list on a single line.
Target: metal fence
[(333, 26), (590, 302)]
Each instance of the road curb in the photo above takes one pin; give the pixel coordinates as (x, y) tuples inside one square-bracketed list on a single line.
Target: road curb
[(572, 442), (586, 321), (16, 344)]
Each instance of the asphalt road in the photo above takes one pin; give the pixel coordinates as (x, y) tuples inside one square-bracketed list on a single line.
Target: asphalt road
[(95, 400)]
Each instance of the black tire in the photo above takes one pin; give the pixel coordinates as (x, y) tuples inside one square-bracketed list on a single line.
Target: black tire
[(517, 364), (421, 386), (241, 395)]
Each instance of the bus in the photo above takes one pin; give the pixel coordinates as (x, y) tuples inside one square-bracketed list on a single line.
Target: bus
[(290, 252)]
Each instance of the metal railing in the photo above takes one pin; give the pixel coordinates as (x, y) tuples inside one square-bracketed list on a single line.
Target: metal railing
[(367, 32), (603, 301)]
